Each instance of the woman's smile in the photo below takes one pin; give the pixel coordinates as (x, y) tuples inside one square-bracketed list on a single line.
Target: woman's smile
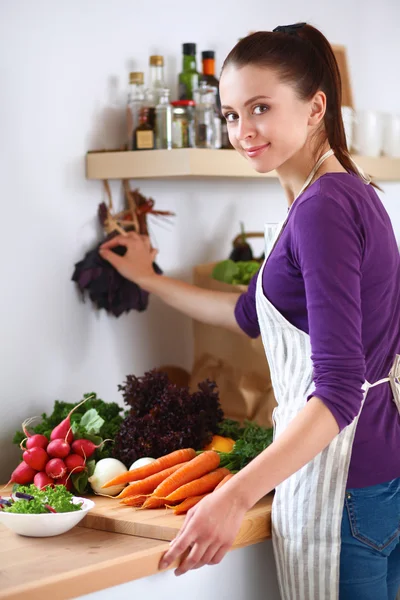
[(256, 151)]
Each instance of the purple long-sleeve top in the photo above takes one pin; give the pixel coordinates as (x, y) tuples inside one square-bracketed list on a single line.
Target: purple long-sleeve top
[(335, 274)]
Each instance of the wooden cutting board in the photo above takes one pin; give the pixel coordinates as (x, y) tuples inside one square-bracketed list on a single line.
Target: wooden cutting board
[(162, 524)]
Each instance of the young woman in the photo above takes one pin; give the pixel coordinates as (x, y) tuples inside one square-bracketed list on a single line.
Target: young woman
[(327, 304)]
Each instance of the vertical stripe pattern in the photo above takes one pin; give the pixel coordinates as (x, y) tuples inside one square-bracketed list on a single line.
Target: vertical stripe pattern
[(308, 506)]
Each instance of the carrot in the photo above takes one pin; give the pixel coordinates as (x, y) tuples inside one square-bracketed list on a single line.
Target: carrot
[(200, 486), (184, 506), (154, 502), (164, 462), (149, 484), (199, 466), (134, 500)]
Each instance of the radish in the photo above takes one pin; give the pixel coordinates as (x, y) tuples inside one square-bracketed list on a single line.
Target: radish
[(36, 458), (86, 448), (66, 481), (41, 480), (56, 468), (25, 424), (37, 441), (23, 474), (63, 429), (58, 448), (75, 463)]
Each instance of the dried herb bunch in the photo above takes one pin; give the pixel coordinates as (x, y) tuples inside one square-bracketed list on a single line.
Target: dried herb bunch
[(95, 276), (164, 417)]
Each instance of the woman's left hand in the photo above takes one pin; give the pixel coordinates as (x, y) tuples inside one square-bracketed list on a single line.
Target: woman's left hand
[(208, 533)]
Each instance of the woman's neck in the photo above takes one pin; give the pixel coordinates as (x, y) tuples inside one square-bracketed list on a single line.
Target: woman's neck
[(294, 172)]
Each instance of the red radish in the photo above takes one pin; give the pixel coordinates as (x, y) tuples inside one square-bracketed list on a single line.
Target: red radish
[(37, 441), (23, 474), (25, 425), (66, 480), (41, 480), (58, 448), (63, 429), (56, 468), (36, 458), (75, 463), (86, 448)]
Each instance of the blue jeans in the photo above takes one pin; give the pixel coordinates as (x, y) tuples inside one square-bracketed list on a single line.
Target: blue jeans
[(370, 553)]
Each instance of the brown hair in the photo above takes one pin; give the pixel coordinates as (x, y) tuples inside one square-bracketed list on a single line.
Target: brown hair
[(302, 56)]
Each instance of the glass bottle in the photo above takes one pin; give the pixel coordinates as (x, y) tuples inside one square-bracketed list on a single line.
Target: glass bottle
[(189, 77), (204, 117), (208, 75), (156, 80), (144, 133), (208, 78), (164, 121), (135, 103), (225, 142)]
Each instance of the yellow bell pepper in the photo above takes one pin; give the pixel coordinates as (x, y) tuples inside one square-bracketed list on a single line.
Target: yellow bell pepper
[(220, 444)]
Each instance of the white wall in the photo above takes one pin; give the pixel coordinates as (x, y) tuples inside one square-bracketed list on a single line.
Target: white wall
[(64, 66)]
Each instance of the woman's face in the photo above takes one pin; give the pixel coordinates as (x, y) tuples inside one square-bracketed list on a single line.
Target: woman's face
[(267, 122)]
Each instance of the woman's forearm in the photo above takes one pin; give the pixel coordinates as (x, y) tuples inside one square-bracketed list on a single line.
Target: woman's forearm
[(304, 438), (208, 306)]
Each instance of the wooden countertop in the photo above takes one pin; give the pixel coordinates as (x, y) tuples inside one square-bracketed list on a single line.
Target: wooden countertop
[(86, 560), (75, 563)]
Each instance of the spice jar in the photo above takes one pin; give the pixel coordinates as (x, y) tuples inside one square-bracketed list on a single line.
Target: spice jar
[(204, 117), (182, 123)]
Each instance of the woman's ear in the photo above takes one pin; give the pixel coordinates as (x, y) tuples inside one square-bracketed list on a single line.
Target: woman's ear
[(317, 108)]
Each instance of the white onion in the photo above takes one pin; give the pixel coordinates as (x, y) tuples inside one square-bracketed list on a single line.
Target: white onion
[(141, 462), (105, 470)]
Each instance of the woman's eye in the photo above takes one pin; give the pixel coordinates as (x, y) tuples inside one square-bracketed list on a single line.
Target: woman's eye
[(230, 117), (260, 109)]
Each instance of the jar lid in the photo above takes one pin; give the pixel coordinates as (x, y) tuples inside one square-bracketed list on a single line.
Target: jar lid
[(183, 103), (156, 60), (136, 77)]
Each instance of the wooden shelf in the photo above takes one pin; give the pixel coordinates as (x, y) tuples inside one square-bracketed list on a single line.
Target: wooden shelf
[(196, 162)]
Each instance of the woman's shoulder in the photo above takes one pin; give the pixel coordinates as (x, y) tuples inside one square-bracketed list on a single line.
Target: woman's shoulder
[(345, 193)]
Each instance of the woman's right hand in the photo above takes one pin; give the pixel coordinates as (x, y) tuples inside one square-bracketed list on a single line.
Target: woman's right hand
[(137, 263)]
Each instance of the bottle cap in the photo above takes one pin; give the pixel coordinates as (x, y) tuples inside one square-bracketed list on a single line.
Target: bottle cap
[(156, 60), (208, 54), (189, 49), (136, 77)]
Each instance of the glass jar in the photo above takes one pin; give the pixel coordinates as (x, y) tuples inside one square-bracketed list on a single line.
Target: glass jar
[(182, 124), (164, 121), (134, 106), (204, 117)]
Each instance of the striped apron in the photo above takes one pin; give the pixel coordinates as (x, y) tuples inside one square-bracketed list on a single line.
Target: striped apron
[(308, 506)]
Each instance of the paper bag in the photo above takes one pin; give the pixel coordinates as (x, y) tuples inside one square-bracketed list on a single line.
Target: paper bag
[(236, 362)]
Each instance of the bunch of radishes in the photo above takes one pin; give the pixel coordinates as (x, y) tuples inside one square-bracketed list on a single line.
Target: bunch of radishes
[(49, 462)]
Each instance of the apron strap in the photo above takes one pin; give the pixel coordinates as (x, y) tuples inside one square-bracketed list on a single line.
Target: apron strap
[(368, 385), (309, 179)]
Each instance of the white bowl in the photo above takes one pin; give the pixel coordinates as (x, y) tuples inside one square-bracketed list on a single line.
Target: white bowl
[(46, 525)]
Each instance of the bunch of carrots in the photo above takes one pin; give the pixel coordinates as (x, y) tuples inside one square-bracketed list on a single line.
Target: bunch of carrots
[(178, 480)]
